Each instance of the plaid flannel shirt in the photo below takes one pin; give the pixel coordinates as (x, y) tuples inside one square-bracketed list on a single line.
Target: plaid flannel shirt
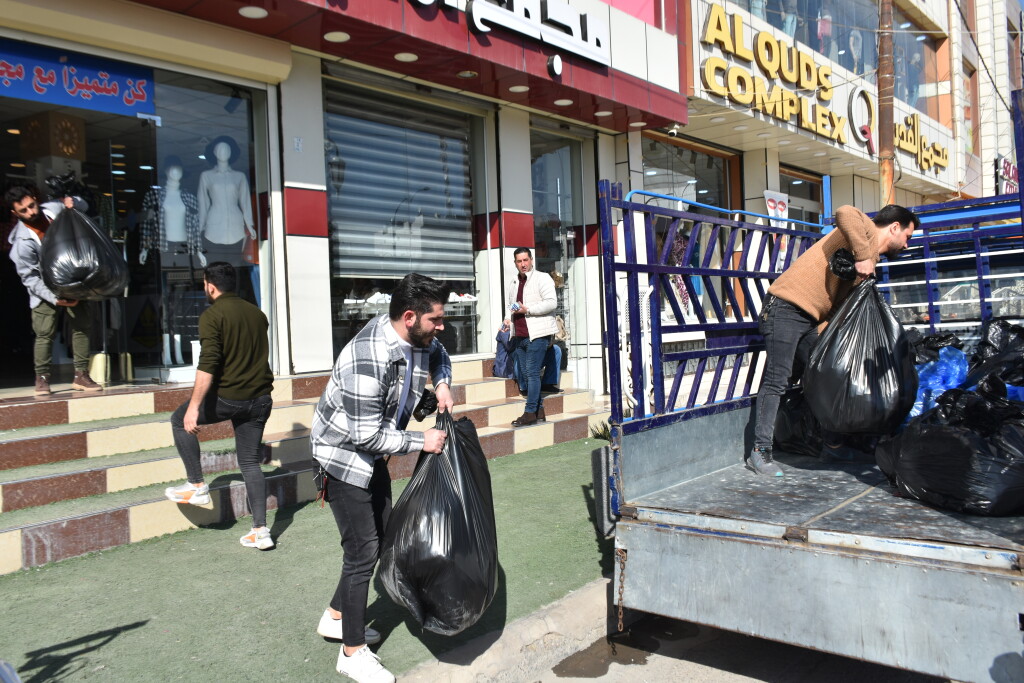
[(356, 420)]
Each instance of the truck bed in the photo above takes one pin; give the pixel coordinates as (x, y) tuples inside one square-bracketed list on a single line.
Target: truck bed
[(835, 497)]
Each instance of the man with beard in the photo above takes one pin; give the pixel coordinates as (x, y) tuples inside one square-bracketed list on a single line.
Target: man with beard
[(233, 382), (26, 240), (805, 296), (378, 379)]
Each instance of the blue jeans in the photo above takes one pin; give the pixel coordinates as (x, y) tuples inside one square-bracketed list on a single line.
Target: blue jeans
[(789, 334), (248, 419), (552, 368), (529, 354)]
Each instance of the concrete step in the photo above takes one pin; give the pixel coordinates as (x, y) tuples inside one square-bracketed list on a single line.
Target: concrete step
[(22, 409), (33, 536), (49, 482)]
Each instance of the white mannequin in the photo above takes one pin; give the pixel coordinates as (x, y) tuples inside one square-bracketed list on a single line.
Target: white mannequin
[(174, 212), (225, 212)]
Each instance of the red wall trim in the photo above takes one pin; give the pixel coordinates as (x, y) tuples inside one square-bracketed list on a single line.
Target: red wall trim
[(305, 212), (517, 229)]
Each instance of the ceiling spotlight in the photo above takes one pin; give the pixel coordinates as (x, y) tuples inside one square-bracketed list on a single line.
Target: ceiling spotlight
[(718, 119), (740, 128), (253, 12), (783, 142), (820, 154), (337, 37), (14, 131), (638, 124), (601, 114), (518, 88), (563, 103), (406, 57), (468, 73)]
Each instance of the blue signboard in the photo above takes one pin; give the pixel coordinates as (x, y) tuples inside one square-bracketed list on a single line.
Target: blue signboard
[(71, 79)]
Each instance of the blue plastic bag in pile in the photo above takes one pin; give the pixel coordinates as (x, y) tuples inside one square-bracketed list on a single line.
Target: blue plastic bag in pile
[(947, 372)]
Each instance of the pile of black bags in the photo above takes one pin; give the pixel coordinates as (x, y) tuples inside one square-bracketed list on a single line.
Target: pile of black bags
[(439, 558)]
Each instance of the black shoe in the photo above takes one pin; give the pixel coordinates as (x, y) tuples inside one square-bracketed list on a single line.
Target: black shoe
[(550, 389), (525, 420)]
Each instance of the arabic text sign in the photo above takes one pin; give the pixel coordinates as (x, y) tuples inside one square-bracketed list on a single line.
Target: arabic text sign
[(71, 79), (554, 22)]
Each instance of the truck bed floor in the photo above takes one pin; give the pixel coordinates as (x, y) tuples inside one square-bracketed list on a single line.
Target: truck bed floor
[(840, 497)]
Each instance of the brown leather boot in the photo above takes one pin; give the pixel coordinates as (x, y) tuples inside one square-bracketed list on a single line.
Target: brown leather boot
[(540, 414), (42, 385), (83, 382), (525, 420)]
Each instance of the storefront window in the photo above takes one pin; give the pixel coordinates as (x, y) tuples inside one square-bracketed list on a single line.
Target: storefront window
[(804, 191), (915, 65), (844, 32), (399, 201), (167, 165)]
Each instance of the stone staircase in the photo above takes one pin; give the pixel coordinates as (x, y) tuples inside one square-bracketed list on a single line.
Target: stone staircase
[(86, 472)]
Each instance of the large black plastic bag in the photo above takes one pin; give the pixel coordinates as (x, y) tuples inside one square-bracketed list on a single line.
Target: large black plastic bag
[(796, 429), (440, 553), (860, 378), (79, 261), (1000, 352), (966, 454)]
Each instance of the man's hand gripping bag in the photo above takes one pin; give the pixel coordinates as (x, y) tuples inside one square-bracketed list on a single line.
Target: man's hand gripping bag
[(439, 558)]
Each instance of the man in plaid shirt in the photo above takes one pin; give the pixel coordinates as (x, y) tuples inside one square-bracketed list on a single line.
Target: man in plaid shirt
[(378, 379)]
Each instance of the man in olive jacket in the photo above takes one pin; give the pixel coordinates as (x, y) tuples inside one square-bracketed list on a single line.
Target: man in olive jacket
[(233, 382)]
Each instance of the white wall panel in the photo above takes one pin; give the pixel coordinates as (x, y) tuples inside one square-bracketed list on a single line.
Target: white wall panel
[(309, 303)]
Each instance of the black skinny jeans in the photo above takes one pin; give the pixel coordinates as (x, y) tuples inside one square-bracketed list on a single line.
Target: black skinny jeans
[(789, 335), (248, 419), (362, 516)]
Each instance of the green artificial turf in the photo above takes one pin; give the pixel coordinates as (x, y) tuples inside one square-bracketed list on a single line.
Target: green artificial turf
[(197, 605)]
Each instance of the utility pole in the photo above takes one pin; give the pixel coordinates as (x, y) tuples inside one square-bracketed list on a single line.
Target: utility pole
[(886, 87)]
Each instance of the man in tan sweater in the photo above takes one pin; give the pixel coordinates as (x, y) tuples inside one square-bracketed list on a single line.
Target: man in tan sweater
[(804, 297)]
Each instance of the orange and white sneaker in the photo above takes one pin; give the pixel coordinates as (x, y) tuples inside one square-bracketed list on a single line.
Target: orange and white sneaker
[(188, 493), (258, 538)]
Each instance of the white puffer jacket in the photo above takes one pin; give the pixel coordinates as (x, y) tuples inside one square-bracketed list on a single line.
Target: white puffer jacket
[(540, 300)]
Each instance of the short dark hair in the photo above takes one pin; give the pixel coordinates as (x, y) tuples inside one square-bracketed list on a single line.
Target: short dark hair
[(417, 293), (221, 275), (522, 250), (897, 213), (16, 193)]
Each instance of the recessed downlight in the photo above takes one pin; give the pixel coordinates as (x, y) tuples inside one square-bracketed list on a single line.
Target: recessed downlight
[(783, 142), (638, 124), (803, 148), (764, 135), (563, 103), (518, 88), (718, 119), (468, 73), (820, 154), (406, 57), (601, 114), (337, 37), (253, 12), (14, 131), (740, 128)]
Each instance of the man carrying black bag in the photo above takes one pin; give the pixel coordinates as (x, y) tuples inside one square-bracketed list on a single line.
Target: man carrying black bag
[(803, 297), (377, 381), (26, 240)]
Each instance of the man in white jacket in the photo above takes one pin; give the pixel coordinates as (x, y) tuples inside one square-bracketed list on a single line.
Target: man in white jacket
[(531, 302)]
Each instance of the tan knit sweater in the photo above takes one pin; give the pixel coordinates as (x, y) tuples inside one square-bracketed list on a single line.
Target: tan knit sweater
[(809, 284)]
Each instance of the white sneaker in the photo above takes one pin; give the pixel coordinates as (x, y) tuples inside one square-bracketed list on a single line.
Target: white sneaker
[(363, 666), (188, 494), (329, 627), (258, 538)]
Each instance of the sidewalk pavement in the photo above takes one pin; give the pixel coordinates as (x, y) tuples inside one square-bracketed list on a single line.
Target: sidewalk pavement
[(197, 603)]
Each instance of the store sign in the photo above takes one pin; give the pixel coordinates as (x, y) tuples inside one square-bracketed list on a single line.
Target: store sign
[(553, 22), (910, 139), (1007, 178), (780, 66), (71, 79)]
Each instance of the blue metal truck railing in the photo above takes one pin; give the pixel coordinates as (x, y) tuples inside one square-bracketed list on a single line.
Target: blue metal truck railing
[(722, 269)]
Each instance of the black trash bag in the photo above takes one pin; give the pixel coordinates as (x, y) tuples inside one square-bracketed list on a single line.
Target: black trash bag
[(926, 348), (79, 261), (860, 378), (966, 454), (439, 558), (1000, 352), (842, 265), (796, 429)]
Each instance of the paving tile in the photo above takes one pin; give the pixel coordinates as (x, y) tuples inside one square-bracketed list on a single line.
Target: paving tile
[(33, 414), (24, 494), (26, 452), (73, 537)]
